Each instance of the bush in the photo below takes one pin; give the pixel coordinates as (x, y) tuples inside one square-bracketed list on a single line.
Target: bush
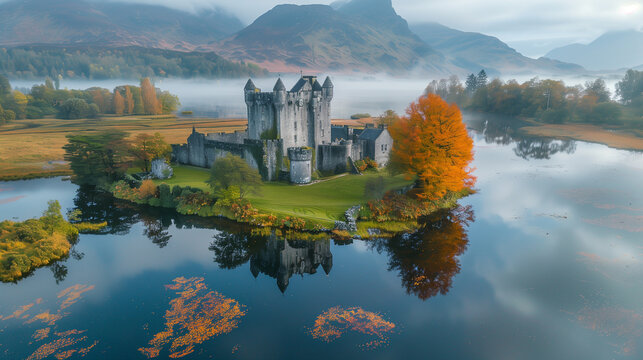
[(148, 189)]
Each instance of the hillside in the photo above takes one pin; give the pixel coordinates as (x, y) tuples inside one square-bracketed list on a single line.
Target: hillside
[(611, 51), (475, 51), (361, 35), (110, 24), (132, 62)]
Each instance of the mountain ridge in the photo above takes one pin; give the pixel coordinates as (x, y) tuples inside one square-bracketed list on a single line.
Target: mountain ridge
[(611, 51)]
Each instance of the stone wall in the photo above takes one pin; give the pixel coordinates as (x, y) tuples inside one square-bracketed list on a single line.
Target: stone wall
[(333, 157)]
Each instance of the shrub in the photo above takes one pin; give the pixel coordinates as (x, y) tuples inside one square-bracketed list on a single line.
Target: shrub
[(148, 189)]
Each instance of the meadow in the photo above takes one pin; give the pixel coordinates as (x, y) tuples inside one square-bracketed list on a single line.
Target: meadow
[(33, 148), (321, 202)]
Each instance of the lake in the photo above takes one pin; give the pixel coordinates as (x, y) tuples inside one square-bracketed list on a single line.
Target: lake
[(545, 261)]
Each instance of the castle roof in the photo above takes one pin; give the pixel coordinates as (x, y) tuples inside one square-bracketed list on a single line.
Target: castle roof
[(250, 85), (371, 133), (279, 86), (327, 83), (316, 86), (299, 85)]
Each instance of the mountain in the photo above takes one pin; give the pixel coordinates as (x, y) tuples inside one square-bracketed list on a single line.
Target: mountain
[(475, 51), (110, 24), (361, 35), (611, 51)]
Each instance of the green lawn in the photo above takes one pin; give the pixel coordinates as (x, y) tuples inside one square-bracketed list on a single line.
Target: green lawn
[(323, 202)]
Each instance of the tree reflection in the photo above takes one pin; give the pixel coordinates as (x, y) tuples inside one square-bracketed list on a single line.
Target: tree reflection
[(503, 130), (59, 270), (427, 260), (543, 148)]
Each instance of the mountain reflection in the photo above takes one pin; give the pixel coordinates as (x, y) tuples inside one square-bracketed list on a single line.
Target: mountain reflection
[(272, 256), (427, 260), (504, 131)]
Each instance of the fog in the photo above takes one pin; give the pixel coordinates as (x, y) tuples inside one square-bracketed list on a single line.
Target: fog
[(353, 94)]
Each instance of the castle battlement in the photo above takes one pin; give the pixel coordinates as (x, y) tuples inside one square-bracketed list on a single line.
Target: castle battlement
[(300, 117)]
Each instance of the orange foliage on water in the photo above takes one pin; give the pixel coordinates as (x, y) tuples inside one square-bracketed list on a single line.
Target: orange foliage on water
[(432, 143), (41, 334), (52, 348), (195, 316), (73, 294), (60, 346), (16, 314), (624, 327), (337, 321)]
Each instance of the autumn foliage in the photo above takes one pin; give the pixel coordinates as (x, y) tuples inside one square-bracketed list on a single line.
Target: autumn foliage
[(431, 142)]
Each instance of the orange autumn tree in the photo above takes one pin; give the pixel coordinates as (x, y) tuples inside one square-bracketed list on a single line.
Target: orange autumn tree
[(432, 144)]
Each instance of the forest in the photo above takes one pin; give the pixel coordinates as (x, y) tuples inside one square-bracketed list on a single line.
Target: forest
[(48, 99), (35, 62), (549, 101)]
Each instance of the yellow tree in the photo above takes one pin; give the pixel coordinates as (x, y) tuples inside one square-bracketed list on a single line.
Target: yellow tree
[(431, 143), (146, 148), (119, 103), (150, 101), (129, 101)]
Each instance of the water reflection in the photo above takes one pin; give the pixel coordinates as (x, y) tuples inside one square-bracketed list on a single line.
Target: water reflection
[(272, 256), (427, 260), (504, 131)]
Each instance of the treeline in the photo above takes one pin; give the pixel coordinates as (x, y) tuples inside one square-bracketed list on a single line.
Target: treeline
[(120, 63), (549, 101), (47, 99)]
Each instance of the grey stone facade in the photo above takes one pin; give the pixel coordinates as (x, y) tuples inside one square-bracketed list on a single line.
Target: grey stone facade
[(281, 120)]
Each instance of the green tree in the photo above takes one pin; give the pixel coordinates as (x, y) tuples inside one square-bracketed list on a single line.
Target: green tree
[(482, 79), (471, 84), (169, 103), (74, 109), (388, 118), (630, 88), (146, 148), (598, 88), (97, 159), (232, 170)]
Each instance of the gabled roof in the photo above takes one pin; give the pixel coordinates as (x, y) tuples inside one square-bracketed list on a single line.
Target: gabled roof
[(371, 134), (299, 85)]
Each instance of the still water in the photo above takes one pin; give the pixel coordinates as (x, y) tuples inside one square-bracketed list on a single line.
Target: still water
[(544, 262)]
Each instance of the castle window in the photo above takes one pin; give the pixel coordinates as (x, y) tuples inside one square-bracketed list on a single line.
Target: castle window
[(295, 138), (295, 126)]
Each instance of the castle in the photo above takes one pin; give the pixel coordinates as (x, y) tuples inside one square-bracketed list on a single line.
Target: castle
[(289, 135)]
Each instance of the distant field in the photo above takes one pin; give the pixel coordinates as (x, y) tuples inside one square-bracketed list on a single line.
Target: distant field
[(33, 148), (322, 202)]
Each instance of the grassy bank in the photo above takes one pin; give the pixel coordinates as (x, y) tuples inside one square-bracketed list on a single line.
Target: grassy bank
[(27, 245), (322, 202)]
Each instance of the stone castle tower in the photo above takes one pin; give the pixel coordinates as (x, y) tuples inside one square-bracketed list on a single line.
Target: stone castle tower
[(299, 117)]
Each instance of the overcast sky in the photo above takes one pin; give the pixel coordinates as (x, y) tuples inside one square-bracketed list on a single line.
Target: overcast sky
[(531, 26)]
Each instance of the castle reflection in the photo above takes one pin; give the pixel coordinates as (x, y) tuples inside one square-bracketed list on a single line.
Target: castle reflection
[(272, 256)]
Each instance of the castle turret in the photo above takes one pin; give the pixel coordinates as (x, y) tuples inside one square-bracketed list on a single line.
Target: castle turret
[(249, 91), (300, 165), (279, 91), (327, 89)]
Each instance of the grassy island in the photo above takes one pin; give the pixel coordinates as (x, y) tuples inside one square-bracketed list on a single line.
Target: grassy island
[(27, 245)]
